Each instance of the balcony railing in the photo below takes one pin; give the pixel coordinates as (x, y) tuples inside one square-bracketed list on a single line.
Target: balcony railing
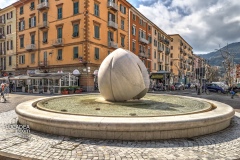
[(2, 52), (143, 54), (2, 37), (31, 47), (113, 24), (167, 41), (159, 60), (2, 22), (167, 51), (143, 40), (43, 5), (43, 64), (113, 6), (58, 42), (43, 25), (112, 44), (160, 49)]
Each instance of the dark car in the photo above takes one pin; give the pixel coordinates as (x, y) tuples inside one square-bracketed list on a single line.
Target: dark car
[(215, 88), (179, 86)]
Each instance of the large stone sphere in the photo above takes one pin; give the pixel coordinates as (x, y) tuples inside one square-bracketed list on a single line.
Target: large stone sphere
[(122, 76)]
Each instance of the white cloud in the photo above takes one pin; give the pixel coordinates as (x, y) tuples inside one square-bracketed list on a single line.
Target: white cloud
[(5, 3), (203, 24)]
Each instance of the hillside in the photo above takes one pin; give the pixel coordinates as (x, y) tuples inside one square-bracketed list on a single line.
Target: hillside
[(215, 58)]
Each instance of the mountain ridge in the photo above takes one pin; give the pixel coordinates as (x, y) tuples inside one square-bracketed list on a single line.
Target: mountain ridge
[(215, 58)]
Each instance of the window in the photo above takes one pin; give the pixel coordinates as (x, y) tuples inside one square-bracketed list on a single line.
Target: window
[(133, 46), (149, 51), (21, 42), (33, 39), (9, 29), (45, 37), (96, 31), (154, 66), (171, 47), (21, 25), (59, 13), (75, 7), (141, 22), (32, 58), (155, 54), (59, 32), (11, 44), (149, 28), (75, 52), (21, 10), (133, 30), (122, 41), (22, 59), (10, 60), (134, 17), (96, 53), (96, 9), (149, 39), (75, 30), (59, 56), (9, 15), (32, 6), (32, 22), (155, 32), (45, 17), (122, 24), (122, 9)]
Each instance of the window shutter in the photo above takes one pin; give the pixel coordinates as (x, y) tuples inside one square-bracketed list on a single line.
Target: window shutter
[(19, 26), (23, 24), (29, 22), (124, 10), (35, 21)]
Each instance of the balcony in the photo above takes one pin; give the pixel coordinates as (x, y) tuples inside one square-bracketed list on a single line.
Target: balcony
[(167, 51), (43, 6), (143, 40), (30, 47), (2, 37), (143, 54), (166, 41), (3, 52), (43, 63), (113, 6), (43, 25), (58, 42), (112, 25), (112, 44), (160, 49), (2, 22), (159, 60)]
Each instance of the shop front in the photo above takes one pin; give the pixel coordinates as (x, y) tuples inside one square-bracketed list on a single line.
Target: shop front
[(160, 77)]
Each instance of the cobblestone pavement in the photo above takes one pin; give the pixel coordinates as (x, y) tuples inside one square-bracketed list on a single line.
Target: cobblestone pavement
[(221, 145)]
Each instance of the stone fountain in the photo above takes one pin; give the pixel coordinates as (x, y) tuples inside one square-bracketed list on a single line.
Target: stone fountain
[(122, 111)]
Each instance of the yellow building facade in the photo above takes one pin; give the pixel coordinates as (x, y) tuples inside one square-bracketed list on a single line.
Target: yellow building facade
[(7, 41), (182, 65), (64, 36)]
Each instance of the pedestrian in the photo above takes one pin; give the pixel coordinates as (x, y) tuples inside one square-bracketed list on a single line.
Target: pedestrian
[(10, 87)]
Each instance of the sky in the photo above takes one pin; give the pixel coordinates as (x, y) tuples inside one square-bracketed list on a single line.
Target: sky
[(204, 24)]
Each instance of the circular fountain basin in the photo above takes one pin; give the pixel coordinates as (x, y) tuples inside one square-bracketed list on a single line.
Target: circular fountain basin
[(154, 117)]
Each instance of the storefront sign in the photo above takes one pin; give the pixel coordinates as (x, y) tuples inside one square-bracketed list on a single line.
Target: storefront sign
[(157, 76)]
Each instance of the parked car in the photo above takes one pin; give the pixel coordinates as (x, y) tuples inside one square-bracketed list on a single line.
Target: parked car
[(212, 87), (179, 86)]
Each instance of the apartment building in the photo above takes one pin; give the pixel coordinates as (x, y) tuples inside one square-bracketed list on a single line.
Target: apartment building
[(161, 50), (64, 36), (140, 42), (7, 41), (182, 59)]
